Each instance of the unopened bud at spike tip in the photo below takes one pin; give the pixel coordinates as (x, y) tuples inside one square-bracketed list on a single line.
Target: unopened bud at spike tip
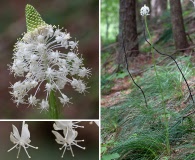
[(33, 18)]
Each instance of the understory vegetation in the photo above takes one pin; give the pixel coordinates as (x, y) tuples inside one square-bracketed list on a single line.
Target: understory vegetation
[(136, 132)]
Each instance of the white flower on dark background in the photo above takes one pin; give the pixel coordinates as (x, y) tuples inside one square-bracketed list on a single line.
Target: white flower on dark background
[(48, 58), (69, 135), (144, 11), (60, 125), (193, 1), (21, 141), (37, 58)]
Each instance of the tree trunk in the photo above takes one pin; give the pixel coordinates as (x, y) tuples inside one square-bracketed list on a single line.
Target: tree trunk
[(158, 7), (154, 9), (178, 29), (127, 30), (107, 21), (163, 5)]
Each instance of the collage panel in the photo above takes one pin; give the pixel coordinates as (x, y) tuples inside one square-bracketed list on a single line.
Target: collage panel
[(49, 59), (49, 140), (147, 79)]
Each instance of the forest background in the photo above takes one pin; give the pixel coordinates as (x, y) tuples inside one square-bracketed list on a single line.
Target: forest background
[(148, 82)]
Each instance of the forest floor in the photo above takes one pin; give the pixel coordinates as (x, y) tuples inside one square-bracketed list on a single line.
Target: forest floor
[(134, 131), (122, 86)]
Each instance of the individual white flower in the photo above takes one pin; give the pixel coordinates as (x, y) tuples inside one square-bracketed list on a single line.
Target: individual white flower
[(49, 87), (32, 100), (144, 11), (60, 125), (84, 72), (21, 141), (73, 44), (68, 140), (78, 85), (36, 58), (44, 105), (193, 1), (64, 99)]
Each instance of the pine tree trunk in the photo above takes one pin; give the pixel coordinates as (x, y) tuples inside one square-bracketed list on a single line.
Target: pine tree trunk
[(154, 9), (107, 21), (158, 7), (179, 34), (163, 5), (127, 30)]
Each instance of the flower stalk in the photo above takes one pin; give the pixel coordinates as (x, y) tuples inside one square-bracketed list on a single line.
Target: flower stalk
[(145, 12), (127, 67), (160, 88), (53, 107)]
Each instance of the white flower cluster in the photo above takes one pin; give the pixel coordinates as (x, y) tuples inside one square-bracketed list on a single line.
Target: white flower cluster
[(144, 11), (68, 139), (37, 58), (21, 141)]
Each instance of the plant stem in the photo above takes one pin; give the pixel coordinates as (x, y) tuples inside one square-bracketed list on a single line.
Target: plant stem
[(53, 107), (160, 88), (127, 67), (176, 65)]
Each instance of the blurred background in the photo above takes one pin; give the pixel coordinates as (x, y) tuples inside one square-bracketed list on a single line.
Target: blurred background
[(42, 137), (81, 19)]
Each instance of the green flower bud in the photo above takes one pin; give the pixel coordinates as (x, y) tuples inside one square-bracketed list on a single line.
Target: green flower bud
[(33, 18)]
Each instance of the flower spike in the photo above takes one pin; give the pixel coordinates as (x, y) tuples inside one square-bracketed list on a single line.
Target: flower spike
[(37, 58), (33, 18), (144, 11)]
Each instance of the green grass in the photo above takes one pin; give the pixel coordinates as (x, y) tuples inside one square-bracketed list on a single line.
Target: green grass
[(140, 133)]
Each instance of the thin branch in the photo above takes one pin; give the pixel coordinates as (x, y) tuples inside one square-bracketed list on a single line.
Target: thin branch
[(172, 59), (127, 67), (188, 114)]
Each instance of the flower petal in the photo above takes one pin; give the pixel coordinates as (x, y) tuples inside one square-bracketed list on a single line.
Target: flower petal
[(59, 138), (25, 135), (15, 132), (13, 138)]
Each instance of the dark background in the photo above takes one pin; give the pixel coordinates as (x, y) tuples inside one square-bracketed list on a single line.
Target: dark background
[(80, 18), (42, 137)]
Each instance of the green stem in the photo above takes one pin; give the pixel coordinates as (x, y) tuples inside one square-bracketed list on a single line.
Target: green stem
[(161, 90), (53, 107)]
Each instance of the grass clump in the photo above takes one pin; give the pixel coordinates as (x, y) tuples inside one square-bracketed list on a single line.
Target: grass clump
[(141, 133)]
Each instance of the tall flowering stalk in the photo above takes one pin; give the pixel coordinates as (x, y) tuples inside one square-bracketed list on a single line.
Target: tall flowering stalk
[(38, 59), (145, 12)]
